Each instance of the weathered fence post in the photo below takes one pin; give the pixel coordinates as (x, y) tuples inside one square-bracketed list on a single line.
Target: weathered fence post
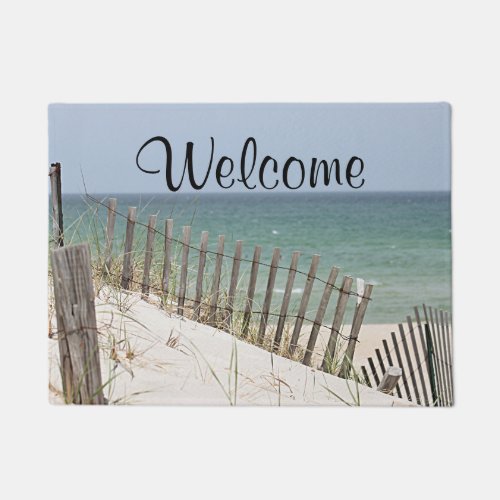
[(320, 315), (251, 290), (76, 325), (336, 324), (359, 315), (57, 213), (110, 234), (214, 296), (390, 380), (233, 284), (127, 256), (269, 295), (148, 254), (186, 239), (167, 258), (199, 277), (286, 300), (303, 304)]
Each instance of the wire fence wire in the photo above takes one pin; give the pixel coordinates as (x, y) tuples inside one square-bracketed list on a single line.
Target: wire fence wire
[(228, 307), (186, 303), (289, 317), (213, 252), (243, 311)]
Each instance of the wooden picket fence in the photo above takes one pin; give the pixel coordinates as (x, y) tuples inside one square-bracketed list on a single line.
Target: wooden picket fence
[(77, 328), (424, 352), (215, 305)]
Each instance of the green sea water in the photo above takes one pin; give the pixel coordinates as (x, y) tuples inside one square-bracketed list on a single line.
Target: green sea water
[(400, 242)]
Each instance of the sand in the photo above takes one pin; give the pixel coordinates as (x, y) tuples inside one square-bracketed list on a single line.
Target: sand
[(370, 337), (152, 357)]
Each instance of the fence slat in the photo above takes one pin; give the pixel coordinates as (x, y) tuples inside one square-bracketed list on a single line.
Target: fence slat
[(423, 342), (167, 257), (337, 323), (389, 380), (320, 314), (269, 295), (413, 339), (148, 254), (214, 296), (389, 360), (449, 333), (429, 319), (432, 373), (286, 300), (374, 371), (199, 277), (303, 304), (366, 377), (57, 213), (400, 363), (235, 271), (251, 291), (447, 358), (438, 357), (442, 356), (127, 255), (359, 315), (450, 355), (110, 234), (409, 364), (76, 325), (380, 360), (186, 240)]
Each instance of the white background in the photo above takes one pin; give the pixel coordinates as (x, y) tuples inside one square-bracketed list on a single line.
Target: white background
[(217, 51)]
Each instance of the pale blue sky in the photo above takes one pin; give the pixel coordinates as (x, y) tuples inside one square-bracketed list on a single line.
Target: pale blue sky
[(405, 147)]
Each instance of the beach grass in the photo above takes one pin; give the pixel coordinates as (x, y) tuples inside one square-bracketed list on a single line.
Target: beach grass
[(90, 226)]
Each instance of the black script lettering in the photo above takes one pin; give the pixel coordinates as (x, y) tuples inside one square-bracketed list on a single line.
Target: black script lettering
[(218, 172), (263, 165), (288, 163), (168, 164), (350, 175), (245, 177)]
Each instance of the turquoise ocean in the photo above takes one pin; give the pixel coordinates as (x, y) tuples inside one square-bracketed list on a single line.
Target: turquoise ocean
[(400, 242)]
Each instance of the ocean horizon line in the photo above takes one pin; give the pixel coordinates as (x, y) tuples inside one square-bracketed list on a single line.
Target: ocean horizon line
[(266, 193)]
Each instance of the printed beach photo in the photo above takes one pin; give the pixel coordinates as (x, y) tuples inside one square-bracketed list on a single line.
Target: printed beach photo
[(250, 254)]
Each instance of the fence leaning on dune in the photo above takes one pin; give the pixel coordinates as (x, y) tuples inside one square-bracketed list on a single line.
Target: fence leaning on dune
[(216, 304)]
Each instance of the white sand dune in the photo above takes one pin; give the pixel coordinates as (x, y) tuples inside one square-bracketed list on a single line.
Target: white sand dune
[(154, 358)]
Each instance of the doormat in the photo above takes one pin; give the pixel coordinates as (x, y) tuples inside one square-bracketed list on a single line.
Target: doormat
[(250, 254)]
